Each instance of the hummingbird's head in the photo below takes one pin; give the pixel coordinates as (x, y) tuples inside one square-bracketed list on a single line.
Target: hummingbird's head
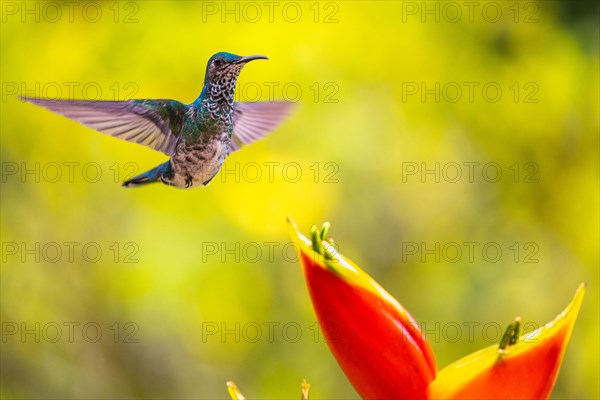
[(225, 67)]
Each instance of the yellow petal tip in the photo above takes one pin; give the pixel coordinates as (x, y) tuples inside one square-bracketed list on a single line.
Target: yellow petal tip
[(234, 392), (295, 235)]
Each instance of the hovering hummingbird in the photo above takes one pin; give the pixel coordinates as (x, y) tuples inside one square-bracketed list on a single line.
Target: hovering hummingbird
[(197, 137)]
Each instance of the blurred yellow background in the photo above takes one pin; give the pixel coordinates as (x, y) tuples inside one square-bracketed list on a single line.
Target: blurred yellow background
[(407, 112)]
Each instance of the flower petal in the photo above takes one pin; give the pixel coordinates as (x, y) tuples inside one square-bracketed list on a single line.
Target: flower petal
[(525, 370), (234, 392), (374, 339)]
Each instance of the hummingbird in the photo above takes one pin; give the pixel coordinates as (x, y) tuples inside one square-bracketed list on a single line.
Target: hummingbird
[(197, 137)]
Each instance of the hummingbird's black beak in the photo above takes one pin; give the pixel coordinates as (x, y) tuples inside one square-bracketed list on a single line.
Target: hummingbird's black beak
[(243, 60)]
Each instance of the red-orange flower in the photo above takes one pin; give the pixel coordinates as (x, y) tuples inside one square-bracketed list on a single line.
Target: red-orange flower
[(374, 339), (525, 370), (385, 356)]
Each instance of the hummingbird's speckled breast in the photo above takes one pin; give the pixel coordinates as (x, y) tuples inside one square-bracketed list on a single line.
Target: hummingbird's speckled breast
[(206, 133), (201, 152)]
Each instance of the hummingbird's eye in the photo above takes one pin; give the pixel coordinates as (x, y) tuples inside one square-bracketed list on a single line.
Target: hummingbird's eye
[(217, 62)]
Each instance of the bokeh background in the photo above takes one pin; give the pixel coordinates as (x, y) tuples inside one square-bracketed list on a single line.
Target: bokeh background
[(192, 288)]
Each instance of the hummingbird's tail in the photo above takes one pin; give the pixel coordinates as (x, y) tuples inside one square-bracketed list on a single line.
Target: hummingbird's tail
[(151, 176)]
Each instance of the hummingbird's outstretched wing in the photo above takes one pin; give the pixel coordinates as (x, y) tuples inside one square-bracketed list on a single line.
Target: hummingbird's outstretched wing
[(251, 121), (153, 123)]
